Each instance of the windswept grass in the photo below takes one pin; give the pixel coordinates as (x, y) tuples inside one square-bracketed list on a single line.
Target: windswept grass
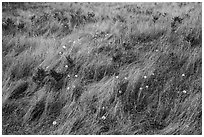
[(102, 68)]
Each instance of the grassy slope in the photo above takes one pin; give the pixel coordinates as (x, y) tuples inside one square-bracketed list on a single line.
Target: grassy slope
[(136, 68)]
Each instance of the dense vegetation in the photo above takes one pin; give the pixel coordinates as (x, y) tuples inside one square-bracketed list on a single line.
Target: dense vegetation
[(101, 68)]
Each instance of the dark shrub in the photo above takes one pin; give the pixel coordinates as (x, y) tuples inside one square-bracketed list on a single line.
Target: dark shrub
[(37, 111), (19, 91)]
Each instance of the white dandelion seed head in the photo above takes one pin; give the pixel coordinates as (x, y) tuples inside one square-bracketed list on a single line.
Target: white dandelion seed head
[(183, 75), (145, 76), (74, 42), (66, 66), (147, 86), (68, 88), (54, 122), (76, 76), (120, 91), (157, 50), (117, 77), (125, 77), (184, 91)]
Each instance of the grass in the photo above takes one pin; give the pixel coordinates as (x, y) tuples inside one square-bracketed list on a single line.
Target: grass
[(101, 68)]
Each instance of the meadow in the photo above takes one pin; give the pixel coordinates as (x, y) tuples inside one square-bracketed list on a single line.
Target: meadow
[(101, 68)]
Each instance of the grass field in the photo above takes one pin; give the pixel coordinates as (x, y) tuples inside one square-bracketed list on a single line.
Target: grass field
[(102, 68)]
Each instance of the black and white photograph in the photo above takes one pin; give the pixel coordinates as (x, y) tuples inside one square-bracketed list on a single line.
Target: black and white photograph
[(101, 68)]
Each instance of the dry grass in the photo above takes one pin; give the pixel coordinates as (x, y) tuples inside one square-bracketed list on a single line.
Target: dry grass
[(102, 68)]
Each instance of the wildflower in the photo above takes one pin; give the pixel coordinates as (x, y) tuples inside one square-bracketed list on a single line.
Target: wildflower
[(157, 50), (75, 76), (54, 122), (68, 76), (64, 47), (120, 91), (68, 88), (183, 75), (145, 77), (140, 88), (60, 53), (74, 42), (147, 86), (66, 66), (116, 76), (103, 107), (152, 73), (125, 78), (184, 91), (103, 117)]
